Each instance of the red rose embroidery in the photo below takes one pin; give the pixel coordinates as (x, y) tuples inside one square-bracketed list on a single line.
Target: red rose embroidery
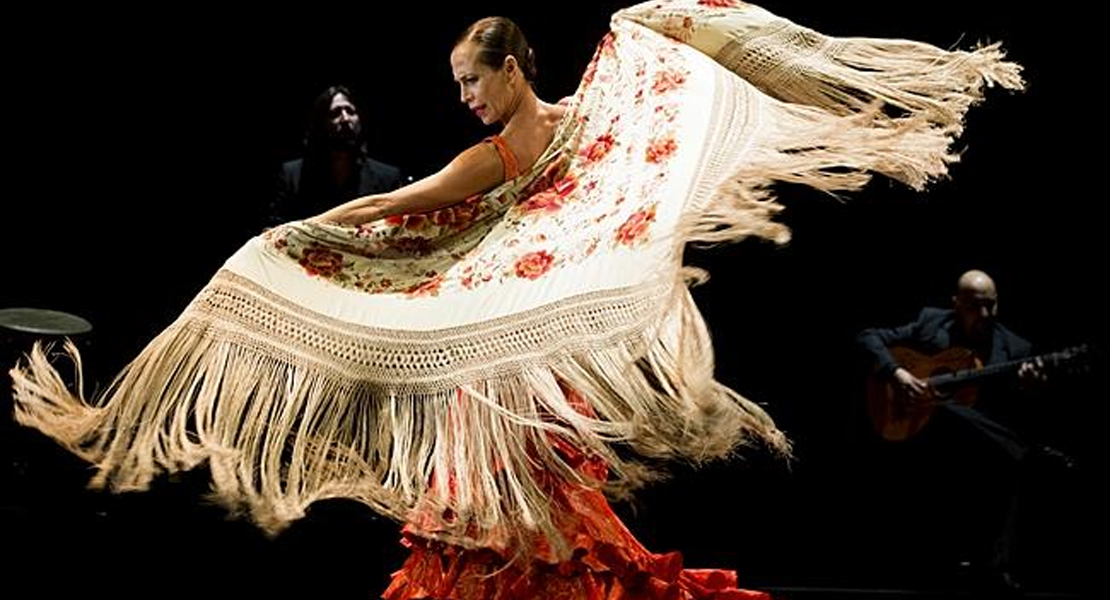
[(322, 262), (607, 43), (636, 226), (546, 201), (429, 287), (661, 149), (443, 216), (566, 185), (415, 222), (465, 212), (667, 80), (679, 28), (588, 76), (552, 198), (458, 216), (605, 47), (533, 264), (413, 245), (720, 3), (598, 148)]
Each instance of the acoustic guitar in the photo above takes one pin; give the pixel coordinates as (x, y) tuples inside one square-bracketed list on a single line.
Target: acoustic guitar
[(952, 376)]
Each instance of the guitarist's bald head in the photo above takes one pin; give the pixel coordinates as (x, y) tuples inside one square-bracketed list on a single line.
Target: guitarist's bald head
[(975, 282), (976, 302)]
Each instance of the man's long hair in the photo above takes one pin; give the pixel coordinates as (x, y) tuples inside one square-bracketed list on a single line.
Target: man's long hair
[(316, 140), (318, 143)]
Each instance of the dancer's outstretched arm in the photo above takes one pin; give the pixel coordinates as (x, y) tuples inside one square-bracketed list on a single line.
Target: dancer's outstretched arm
[(475, 170)]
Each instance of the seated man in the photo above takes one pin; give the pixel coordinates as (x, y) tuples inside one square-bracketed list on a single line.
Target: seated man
[(974, 430)]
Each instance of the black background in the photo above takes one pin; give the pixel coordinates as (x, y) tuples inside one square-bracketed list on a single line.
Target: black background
[(141, 147)]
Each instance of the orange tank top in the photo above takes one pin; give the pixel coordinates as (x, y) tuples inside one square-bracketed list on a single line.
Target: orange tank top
[(508, 159)]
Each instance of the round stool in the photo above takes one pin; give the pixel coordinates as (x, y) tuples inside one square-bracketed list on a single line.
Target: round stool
[(43, 322), (19, 329)]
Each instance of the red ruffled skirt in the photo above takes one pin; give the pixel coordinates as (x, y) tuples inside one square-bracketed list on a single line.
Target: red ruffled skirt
[(607, 562)]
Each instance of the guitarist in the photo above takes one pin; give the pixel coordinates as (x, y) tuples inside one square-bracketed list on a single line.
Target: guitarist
[(980, 438)]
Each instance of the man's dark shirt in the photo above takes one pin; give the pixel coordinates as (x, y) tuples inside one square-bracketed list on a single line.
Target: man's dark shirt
[(295, 199)]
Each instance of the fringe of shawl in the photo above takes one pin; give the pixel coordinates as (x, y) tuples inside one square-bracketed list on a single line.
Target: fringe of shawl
[(848, 107), (471, 465), (845, 75)]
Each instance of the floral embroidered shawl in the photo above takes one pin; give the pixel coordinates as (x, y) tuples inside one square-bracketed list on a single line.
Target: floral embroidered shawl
[(420, 364)]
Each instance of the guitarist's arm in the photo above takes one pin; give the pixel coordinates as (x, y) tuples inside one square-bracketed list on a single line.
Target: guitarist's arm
[(876, 343)]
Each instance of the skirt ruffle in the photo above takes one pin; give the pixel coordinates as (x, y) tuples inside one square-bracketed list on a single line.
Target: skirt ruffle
[(605, 562)]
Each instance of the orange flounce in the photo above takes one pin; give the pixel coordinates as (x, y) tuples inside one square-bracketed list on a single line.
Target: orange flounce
[(607, 562)]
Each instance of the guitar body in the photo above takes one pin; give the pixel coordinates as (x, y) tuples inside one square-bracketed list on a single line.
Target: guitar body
[(897, 417)]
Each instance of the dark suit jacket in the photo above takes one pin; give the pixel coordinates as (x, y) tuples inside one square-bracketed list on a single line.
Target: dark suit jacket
[(292, 200), (937, 329), (934, 330)]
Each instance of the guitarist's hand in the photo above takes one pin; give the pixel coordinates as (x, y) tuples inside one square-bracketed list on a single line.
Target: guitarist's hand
[(1032, 373), (913, 387)]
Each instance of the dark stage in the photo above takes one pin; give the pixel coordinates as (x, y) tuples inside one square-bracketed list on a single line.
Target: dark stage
[(144, 149)]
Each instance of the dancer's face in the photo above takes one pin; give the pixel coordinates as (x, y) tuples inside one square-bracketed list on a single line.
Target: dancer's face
[(486, 90)]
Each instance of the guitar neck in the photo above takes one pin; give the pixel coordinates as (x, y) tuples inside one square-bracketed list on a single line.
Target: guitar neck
[(968, 375)]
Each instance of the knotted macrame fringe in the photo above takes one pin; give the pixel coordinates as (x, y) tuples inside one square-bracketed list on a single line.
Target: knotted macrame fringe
[(811, 148), (849, 75), (845, 75), (847, 108), (472, 463)]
